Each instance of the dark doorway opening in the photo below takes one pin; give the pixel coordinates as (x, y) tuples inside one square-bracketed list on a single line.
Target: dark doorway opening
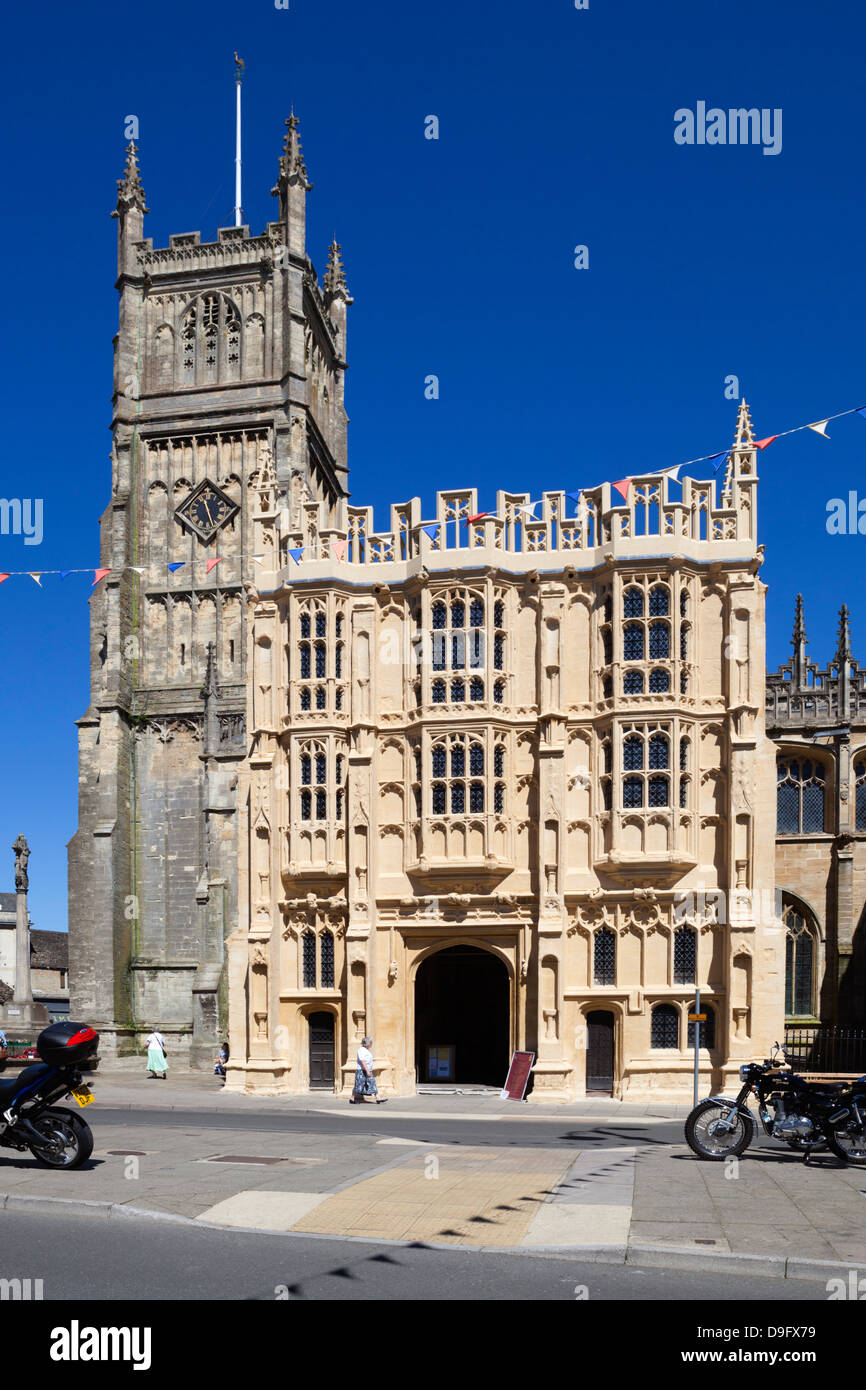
[(599, 1050), (322, 1073), (462, 1002)]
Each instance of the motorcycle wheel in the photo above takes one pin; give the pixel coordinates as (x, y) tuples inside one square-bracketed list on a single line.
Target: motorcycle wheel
[(850, 1145), (712, 1144), (68, 1139)]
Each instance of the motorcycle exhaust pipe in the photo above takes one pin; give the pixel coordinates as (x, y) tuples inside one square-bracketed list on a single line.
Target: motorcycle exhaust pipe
[(838, 1115), (23, 1126)]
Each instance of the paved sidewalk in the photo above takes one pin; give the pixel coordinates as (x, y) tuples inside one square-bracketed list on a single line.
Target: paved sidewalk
[(124, 1088)]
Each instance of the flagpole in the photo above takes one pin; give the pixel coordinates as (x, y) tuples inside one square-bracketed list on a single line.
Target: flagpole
[(239, 70)]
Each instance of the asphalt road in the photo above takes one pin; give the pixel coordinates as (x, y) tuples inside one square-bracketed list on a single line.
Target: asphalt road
[(93, 1258), (371, 1119)]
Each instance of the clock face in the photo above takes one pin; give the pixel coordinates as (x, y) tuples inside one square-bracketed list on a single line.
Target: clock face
[(206, 510)]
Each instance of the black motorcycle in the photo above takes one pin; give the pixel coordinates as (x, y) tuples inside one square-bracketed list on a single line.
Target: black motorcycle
[(29, 1116), (807, 1115)]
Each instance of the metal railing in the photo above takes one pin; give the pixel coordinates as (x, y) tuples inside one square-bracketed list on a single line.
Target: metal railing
[(822, 1048)]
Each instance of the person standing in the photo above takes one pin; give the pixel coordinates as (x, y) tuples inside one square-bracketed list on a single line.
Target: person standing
[(156, 1063), (365, 1081)]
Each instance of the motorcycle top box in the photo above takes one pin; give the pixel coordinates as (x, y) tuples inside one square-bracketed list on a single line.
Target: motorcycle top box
[(67, 1044)]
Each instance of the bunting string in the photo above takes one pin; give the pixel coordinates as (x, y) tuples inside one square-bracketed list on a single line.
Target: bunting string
[(525, 510)]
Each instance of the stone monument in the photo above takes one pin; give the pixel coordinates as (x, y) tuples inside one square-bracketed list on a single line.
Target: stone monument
[(21, 1017)]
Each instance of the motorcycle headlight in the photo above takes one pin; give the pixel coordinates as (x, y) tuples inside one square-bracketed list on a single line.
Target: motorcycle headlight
[(744, 1072)]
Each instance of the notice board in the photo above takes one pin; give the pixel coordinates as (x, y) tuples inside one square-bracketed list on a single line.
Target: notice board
[(518, 1076)]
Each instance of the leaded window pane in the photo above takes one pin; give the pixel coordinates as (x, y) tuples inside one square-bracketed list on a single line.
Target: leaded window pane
[(327, 959), (320, 768), (684, 792), (632, 753), (684, 754), (320, 625), (321, 805), (632, 642), (338, 625), (475, 642), (438, 798), (476, 613), (339, 803), (320, 660), (607, 646), (437, 654), (305, 624), (664, 1031), (684, 644), (458, 799), (788, 809), (499, 614), (338, 661), (607, 756), (439, 615), (604, 957), (438, 692), (476, 689), (685, 956), (498, 653), (499, 693), (305, 697), (458, 652), (320, 697), (438, 761), (860, 799), (458, 691), (659, 641), (632, 603), (632, 792), (658, 791), (813, 807), (458, 613), (458, 761), (659, 603), (684, 682), (499, 797), (306, 806), (476, 797), (417, 792), (606, 794), (338, 698), (309, 960), (659, 682), (305, 663), (658, 751), (632, 683), (499, 761), (306, 769), (476, 760)]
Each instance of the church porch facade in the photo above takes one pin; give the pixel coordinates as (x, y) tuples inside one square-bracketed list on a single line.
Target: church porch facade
[(528, 753)]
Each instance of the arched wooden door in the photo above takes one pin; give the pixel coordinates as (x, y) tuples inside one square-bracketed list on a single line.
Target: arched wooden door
[(599, 1050), (322, 1073)]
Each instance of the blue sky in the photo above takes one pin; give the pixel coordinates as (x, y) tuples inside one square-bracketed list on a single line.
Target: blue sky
[(556, 129)]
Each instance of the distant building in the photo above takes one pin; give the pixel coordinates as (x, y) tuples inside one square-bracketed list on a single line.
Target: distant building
[(7, 939), (49, 971)]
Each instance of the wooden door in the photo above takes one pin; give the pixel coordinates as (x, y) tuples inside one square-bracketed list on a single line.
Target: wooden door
[(599, 1050), (321, 1052)]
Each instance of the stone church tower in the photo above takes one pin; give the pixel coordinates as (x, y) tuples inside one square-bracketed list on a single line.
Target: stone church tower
[(228, 387)]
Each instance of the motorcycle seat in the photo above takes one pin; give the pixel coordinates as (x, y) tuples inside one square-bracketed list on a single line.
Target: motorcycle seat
[(28, 1076)]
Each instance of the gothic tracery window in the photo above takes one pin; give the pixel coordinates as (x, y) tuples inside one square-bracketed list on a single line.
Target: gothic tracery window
[(860, 794), (665, 1026), (685, 956), (604, 957), (799, 796), (210, 341), (800, 951)]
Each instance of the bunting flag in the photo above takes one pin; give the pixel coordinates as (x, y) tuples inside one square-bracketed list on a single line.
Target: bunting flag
[(212, 564), (623, 486), (477, 517), (63, 573), (100, 574), (3, 578), (765, 443), (528, 510), (139, 569), (297, 553), (722, 458), (576, 496), (820, 427), (178, 565), (339, 549), (432, 531), (36, 576)]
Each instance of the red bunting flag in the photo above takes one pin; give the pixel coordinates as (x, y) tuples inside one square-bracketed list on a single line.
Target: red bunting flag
[(3, 578), (339, 549), (622, 487), (762, 443), (211, 564), (478, 516), (100, 574)]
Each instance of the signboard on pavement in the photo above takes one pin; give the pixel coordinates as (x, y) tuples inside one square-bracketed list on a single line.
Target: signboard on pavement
[(518, 1076)]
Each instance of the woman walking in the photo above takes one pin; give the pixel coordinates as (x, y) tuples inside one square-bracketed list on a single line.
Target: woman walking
[(156, 1063), (365, 1081)]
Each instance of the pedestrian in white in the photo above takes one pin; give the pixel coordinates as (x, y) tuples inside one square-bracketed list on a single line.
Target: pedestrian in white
[(156, 1063), (365, 1081)]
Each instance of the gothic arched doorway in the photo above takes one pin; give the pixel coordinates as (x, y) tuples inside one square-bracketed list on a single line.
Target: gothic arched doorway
[(462, 1002), (600, 1037), (322, 1071)]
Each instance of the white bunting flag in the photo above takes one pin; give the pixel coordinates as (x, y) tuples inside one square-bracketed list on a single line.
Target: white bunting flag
[(820, 427)]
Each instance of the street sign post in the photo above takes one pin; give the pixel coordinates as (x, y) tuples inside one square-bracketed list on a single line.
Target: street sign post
[(696, 1018)]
